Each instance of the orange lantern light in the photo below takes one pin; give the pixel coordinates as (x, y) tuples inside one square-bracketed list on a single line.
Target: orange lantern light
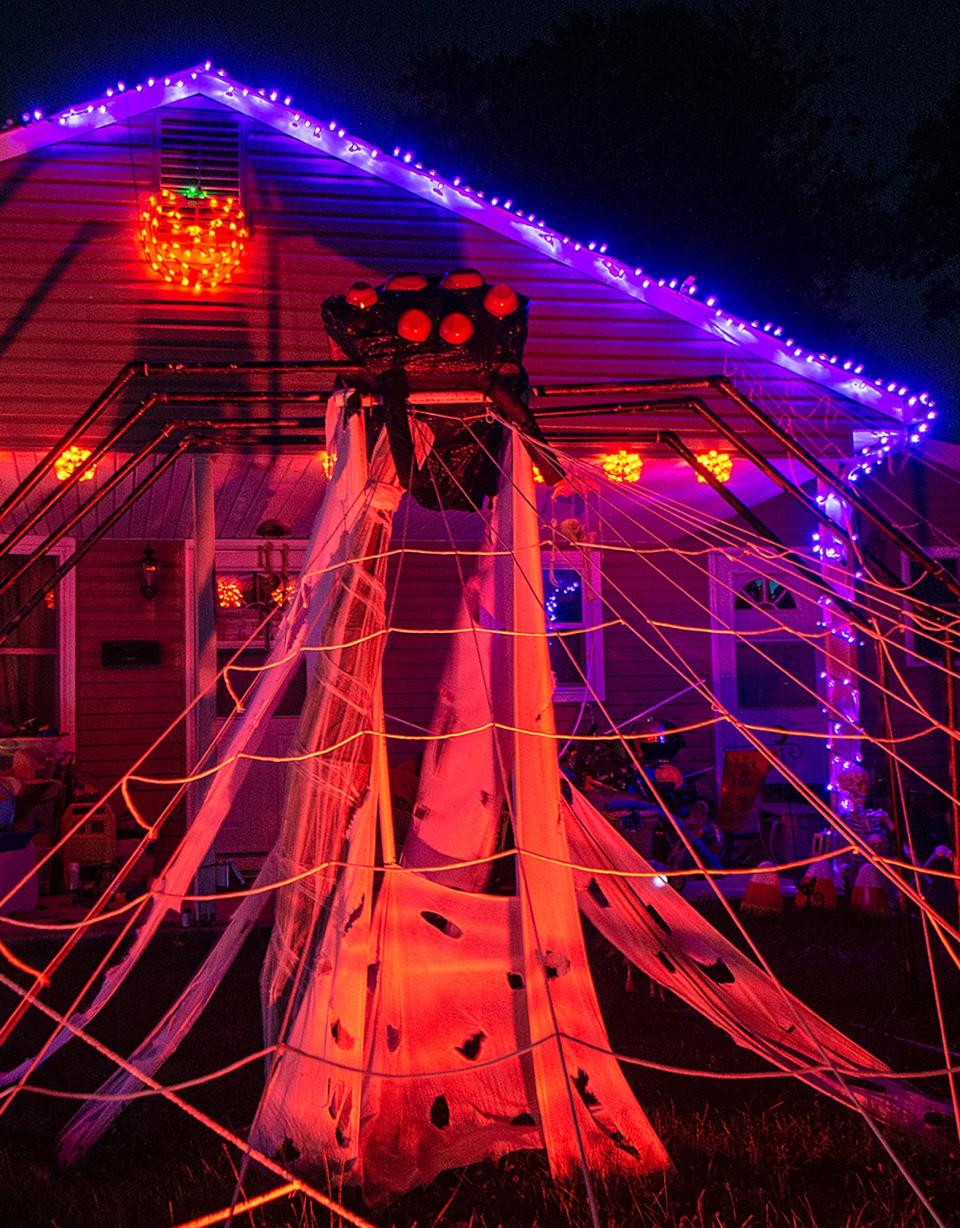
[(229, 593), (328, 460), (193, 240), (622, 466), (720, 465), (283, 593), (69, 461)]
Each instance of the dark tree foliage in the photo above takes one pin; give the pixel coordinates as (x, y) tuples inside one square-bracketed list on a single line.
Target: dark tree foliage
[(693, 143), (927, 238)]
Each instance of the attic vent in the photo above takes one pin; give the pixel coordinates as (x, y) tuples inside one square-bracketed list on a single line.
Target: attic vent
[(203, 152)]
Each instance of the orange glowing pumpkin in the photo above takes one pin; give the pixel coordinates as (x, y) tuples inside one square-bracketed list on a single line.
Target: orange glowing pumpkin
[(191, 239)]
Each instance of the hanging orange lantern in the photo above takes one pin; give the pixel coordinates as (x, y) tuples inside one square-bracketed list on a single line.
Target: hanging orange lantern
[(284, 592), (327, 461), (229, 593), (720, 465), (192, 239), (622, 466), (69, 461)]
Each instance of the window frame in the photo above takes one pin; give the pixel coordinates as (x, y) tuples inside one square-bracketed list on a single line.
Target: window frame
[(586, 562), (914, 656), (238, 557), (65, 651)]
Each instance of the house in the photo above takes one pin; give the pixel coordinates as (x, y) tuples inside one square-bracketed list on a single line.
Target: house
[(120, 649)]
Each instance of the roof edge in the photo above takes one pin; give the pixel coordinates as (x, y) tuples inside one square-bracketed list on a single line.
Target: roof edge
[(910, 413)]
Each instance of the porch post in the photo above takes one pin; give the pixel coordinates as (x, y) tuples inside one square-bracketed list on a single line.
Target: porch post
[(202, 670), (839, 685)]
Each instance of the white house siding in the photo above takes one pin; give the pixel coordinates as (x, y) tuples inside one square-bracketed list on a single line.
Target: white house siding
[(77, 300)]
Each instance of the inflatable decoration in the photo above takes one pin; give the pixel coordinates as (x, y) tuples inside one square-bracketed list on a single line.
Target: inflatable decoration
[(415, 334)]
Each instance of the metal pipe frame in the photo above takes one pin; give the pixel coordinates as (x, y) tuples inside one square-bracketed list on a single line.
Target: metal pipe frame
[(843, 490), (87, 544), (726, 388), (82, 511), (123, 377), (649, 389), (144, 370), (172, 427), (64, 487)]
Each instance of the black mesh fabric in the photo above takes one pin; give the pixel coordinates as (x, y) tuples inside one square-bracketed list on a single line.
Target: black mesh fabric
[(461, 467)]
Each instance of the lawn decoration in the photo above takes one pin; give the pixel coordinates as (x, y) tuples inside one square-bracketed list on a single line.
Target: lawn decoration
[(417, 1020)]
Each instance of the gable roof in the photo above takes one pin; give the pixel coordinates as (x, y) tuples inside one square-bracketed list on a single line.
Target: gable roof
[(908, 411)]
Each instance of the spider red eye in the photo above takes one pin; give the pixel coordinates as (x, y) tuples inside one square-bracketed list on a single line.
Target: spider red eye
[(405, 281), (456, 328), (361, 294), (414, 325), (500, 301), (462, 279)]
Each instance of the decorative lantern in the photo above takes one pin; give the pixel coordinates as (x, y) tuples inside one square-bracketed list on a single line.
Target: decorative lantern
[(622, 466), (327, 460), (69, 461), (192, 239), (283, 593), (720, 465), (149, 567), (229, 593)]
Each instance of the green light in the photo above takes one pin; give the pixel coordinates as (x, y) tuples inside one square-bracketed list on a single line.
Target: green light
[(194, 192)]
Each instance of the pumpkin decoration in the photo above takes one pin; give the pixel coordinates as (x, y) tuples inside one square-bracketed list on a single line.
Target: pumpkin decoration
[(192, 239)]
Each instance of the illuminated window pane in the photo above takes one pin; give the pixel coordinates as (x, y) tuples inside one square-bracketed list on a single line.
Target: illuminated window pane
[(563, 596)]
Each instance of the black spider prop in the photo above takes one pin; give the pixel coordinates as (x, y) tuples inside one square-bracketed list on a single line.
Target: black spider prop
[(416, 334)]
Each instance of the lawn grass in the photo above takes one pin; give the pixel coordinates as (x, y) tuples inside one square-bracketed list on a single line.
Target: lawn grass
[(762, 1154)]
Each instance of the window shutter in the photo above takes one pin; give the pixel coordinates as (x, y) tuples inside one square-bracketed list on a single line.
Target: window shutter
[(200, 151)]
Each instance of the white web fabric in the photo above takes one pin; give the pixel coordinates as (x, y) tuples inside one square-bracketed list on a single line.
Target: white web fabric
[(664, 936), (461, 774), (418, 1026), (312, 986), (342, 532)]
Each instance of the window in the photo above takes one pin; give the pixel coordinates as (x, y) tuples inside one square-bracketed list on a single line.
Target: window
[(571, 593), (926, 589), (764, 594), (35, 672), (243, 601)]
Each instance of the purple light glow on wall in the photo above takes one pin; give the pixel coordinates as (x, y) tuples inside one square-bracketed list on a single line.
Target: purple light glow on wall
[(499, 213)]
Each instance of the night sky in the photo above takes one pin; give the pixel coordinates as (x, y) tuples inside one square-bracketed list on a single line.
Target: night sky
[(344, 60)]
